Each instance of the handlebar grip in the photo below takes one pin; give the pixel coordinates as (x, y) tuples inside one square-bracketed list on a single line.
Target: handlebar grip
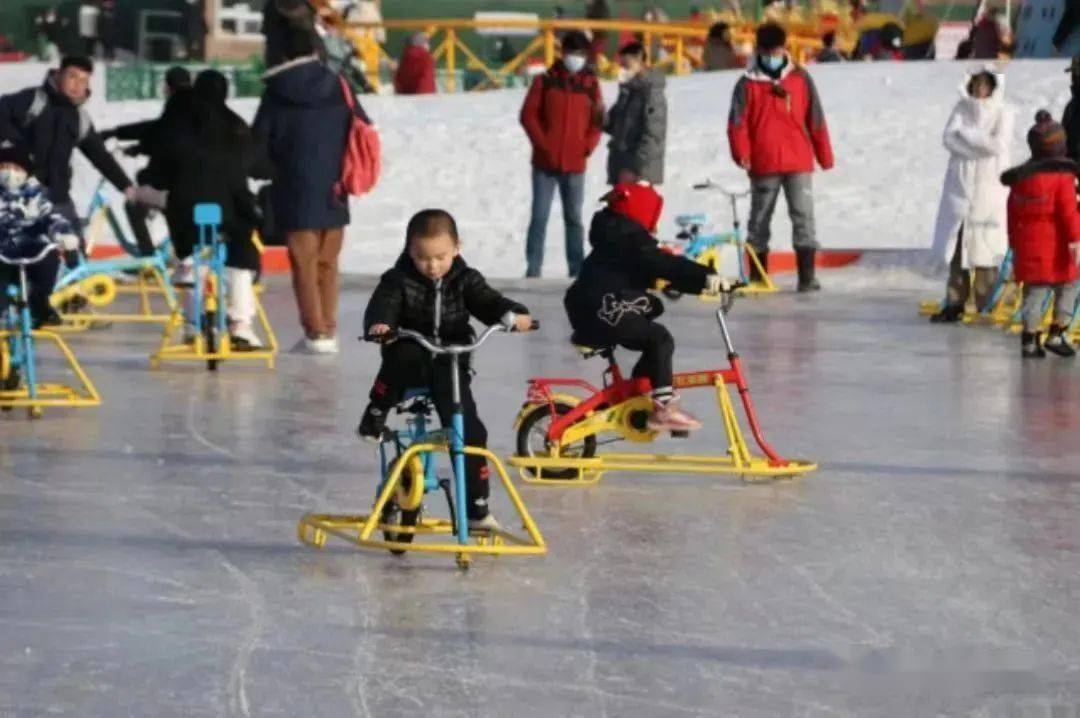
[(390, 336)]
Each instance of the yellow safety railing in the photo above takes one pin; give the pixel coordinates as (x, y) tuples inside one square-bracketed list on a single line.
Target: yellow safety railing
[(678, 45)]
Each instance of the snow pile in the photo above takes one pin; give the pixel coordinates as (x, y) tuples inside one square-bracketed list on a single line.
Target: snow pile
[(468, 154)]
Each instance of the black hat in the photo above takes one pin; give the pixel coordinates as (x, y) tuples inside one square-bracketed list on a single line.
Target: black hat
[(12, 152), (177, 78), (1046, 138)]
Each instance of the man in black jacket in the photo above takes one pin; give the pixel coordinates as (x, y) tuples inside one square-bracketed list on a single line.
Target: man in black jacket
[(51, 122)]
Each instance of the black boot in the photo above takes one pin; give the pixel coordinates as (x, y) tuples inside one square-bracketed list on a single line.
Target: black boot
[(756, 277), (804, 260), (1058, 343), (948, 315), (373, 424), (1030, 346)]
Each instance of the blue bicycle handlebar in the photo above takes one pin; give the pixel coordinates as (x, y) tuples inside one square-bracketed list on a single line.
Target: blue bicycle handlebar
[(426, 343), (709, 184)]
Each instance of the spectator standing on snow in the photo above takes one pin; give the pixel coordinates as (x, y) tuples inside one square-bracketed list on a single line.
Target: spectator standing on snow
[(637, 122), (776, 130), (304, 118), (1044, 233), (829, 53), (51, 121), (415, 74), (563, 116), (970, 232), (107, 29), (719, 51), (89, 12), (1067, 35), (195, 28), (989, 36), (283, 18), (1071, 118), (50, 27)]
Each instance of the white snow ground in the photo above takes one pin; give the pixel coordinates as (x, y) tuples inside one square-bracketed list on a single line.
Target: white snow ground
[(468, 154)]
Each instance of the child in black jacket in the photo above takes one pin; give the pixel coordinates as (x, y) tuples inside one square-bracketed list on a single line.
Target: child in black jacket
[(432, 291), (609, 304)]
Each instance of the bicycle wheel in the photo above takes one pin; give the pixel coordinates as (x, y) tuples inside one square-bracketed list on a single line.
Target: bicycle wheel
[(393, 514), (532, 441)]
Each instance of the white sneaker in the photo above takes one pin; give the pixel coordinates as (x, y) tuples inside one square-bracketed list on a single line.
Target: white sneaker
[(244, 337), (488, 523), (336, 344), (318, 345), (184, 274)]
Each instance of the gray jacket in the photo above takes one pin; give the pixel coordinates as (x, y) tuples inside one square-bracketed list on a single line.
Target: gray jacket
[(637, 124)]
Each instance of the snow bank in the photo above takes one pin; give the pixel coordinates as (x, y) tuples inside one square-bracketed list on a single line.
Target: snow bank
[(467, 153)]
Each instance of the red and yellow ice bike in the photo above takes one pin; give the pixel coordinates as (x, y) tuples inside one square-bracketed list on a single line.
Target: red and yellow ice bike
[(564, 422)]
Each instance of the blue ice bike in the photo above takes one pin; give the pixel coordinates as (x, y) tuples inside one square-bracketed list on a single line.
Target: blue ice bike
[(704, 248), (20, 385), (408, 473)]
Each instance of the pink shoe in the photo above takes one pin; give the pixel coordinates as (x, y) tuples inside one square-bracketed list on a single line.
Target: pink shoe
[(669, 417)]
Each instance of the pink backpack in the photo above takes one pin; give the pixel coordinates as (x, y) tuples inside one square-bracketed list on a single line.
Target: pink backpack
[(362, 164)]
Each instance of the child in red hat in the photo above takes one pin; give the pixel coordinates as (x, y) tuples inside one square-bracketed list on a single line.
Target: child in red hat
[(609, 304), (1044, 233)]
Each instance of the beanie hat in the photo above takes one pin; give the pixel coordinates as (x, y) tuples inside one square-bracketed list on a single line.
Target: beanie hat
[(1047, 138), (212, 86), (637, 201), (15, 153)]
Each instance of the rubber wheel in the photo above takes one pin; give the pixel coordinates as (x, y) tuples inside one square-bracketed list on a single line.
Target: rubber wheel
[(211, 340), (393, 514), (672, 294), (532, 441)]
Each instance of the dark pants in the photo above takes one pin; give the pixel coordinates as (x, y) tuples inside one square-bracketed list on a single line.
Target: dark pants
[(40, 278), (656, 345), (407, 365), (137, 215)]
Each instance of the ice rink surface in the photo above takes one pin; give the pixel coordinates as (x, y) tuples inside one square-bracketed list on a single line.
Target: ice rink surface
[(149, 564)]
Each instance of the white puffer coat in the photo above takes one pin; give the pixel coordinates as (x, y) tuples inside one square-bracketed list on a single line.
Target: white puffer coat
[(977, 136)]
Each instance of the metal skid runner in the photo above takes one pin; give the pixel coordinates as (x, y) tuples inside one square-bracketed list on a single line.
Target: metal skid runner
[(19, 347), (209, 341), (558, 432), (409, 462)]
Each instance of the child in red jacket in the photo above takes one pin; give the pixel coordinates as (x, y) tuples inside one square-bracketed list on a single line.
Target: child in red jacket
[(1044, 233)]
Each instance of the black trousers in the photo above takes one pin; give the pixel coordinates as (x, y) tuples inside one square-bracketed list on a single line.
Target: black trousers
[(640, 334), (407, 365), (137, 215), (40, 278)]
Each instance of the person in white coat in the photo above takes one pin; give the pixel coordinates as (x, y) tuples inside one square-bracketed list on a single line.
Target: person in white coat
[(971, 231)]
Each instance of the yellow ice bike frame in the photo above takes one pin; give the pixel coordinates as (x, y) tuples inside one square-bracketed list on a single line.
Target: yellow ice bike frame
[(211, 342), (558, 432), (19, 384), (408, 469)]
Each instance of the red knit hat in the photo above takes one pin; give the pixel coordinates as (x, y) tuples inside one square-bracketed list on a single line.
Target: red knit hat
[(1046, 138), (638, 201)]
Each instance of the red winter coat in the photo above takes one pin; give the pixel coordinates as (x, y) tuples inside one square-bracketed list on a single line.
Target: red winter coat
[(1043, 220), (563, 116), (416, 72), (778, 126)]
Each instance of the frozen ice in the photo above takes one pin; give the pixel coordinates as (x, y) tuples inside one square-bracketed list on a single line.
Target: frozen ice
[(149, 564)]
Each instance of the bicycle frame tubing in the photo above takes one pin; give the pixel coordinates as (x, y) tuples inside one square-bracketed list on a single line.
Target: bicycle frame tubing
[(19, 319)]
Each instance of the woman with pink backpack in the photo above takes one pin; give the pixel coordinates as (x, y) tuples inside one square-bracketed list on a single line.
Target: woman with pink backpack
[(320, 144)]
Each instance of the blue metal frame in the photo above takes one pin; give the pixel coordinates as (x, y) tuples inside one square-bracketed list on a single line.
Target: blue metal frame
[(211, 252), (20, 324), (86, 268)]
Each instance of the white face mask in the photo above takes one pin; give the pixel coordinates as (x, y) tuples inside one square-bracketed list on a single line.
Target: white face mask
[(574, 63), (625, 75), (12, 178)]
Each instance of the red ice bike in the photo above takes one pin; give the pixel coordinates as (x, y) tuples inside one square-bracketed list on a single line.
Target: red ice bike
[(565, 420)]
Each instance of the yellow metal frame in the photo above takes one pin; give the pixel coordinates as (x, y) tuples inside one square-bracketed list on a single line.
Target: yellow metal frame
[(173, 348), (149, 282), (739, 460), (359, 529), (48, 394)]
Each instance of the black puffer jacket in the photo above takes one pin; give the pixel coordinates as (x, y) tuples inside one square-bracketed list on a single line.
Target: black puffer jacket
[(52, 136), (406, 299), (624, 264)]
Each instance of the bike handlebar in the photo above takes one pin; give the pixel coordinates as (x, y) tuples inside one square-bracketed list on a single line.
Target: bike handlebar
[(27, 261), (709, 184), (426, 343)]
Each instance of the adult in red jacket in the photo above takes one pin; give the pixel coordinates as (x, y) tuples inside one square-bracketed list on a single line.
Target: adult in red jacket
[(1044, 233), (416, 72), (563, 116), (776, 130)]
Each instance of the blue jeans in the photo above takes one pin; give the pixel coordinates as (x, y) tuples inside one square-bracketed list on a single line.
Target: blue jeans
[(572, 195)]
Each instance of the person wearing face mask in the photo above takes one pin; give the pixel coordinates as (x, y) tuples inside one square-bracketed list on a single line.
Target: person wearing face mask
[(563, 117), (637, 122), (416, 72), (50, 122), (776, 130), (26, 218), (971, 228)]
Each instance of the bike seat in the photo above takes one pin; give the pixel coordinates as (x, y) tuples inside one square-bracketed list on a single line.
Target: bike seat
[(589, 351), (208, 214), (690, 220)]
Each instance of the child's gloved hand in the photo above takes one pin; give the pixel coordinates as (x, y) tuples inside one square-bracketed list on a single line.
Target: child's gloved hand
[(68, 242), (715, 284)]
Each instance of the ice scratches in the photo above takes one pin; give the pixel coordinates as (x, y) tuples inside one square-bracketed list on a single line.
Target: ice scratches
[(197, 435), (253, 599), (357, 689)]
